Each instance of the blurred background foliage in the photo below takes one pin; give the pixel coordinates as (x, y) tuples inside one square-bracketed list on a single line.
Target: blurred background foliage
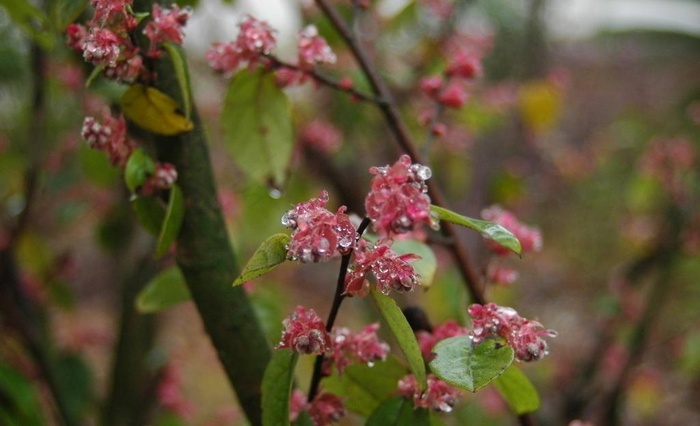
[(556, 130)]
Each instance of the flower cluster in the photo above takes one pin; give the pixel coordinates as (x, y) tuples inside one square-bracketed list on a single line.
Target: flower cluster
[(305, 332), (503, 275), (439, 396), (398, 201), (428, 340), (109, 136), (163, 178), (530, 238), (669, 160), (523, 335), (325, 409), (362, 347), (106, 41), (390, 270), (169, 393), (318, 234), (312, 49), (255, 40), (321, 136)]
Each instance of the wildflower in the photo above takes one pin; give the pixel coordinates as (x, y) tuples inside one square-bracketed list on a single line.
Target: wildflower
[(313, 49), (523, 335), (428, 340), (464, 63), (166, 25), (304, 332), (503, 275), (530, 238), (109, 136), (390, 270), (163, 178), (318, 233), (297, 404), (363, 347), (431, 85), (321, 135), (454, 95), (255, 40), (326, 409), (438, 396), (398, 201)]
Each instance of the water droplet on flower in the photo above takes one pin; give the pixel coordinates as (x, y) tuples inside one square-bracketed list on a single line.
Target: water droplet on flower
[(274, 193)]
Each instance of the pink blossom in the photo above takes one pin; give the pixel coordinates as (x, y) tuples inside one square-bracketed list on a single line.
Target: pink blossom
[(255, 40), (523, 335), (431, 85), (113, 13), (326, 409), (169, 393), (439, 396), (109, 136), (502, 275), (313, 49), (427, 340), (166, 25), (530, 238), (287, 77), (390, 270), (304, 332), (321, 135), (398, 201), (363, 347), (317, 233), (163, 178), (76, 35), (669, 160), (454, 95), (102, 47), (297, 404), (464, 63)]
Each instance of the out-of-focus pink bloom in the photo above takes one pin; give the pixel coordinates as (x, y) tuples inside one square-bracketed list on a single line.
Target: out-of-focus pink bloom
[(427, 340), (297, 404), (109, 136), (313, 49), (669, 160), (431, 85), (166, 25), (454, 95), (169, 393), (523, 335), (163, 178), (530, 238), (390, 270), (363, 347), (317, 233), (326, 409), (502, 275), (439, 8), (255, 40), (102, 47), (464, 63), (398, 201), (287, 77), (439, 396), (321, 135), (76, 35), (304, 332)]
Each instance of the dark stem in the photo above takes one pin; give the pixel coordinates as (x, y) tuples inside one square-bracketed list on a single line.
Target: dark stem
[(335, 307)]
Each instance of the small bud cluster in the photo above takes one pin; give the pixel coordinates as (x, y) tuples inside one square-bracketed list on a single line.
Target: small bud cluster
[(169, 393), (163, 178), (427, 340), (325, 409), (255, 40), (318, 234), (398, 201), (503, 275), (390, 270), (106, 41), (439, 396), (523, 335), (109, 136), (362, 347), (312, 50), (321, 136), (305, 332), (530, 238)]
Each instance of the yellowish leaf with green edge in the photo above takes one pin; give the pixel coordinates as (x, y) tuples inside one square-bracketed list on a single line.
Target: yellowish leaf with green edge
[(183, 80), (154, 111), (271, 253)]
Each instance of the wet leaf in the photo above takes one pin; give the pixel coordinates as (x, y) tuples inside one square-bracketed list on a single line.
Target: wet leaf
[(154, 111), (518, 391), (488, 229), (277, 387), (271, 253)]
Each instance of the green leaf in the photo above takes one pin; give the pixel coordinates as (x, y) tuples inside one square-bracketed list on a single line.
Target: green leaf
[(304, 419), (277, 387), (75, 382), (364, 387), (150, 213), (458, 362), (488, 229), (19, 404), (398, 411), (172, 221), (257, 124), (138, 168), (31, 19), (183, 80), (271, 253), (164, 291), (403, 333), (426, 265), (518, 391), (154, 111)]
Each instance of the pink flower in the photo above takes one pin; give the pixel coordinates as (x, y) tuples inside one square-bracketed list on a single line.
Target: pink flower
[(286, 77), (431, 85), (464, 63), (427, 341), (109, 136), (398, 201), (102, 47), (313, 49), (530, 238), (113, 13), (297, 404), (390, 270), (523, 335), (255, 40), (321, 135), (326, 409), (363, 347), (503, 275), (318, 234), (439, 396), (170, 394), (454, 95), (163, 178), (304, 332), (166, 25)]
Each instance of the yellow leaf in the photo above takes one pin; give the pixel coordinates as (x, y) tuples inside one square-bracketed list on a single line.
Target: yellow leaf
[(154, 111)]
